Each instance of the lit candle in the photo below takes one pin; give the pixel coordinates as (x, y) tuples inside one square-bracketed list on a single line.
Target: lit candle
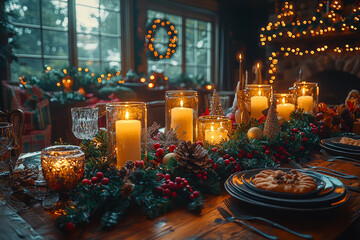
[(214, 136), (182, 119), (305, 102), (128, 140), (257, 105), (258, 76), (240, 72), (284, 109)]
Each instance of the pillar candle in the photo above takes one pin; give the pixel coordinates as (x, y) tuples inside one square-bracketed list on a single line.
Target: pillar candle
[(182, 119), (284, 110), (306, 103), (128, 140), (257, 105)]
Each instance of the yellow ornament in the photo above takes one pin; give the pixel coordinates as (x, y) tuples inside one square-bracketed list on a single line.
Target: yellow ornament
[(255, 133), (281, 120), (167, 157)]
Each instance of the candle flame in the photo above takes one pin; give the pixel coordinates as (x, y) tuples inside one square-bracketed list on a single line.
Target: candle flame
[(283, 100), (181, 103), (259, 92), (303, 91), (127, 115), (212, 128), (240, 57), (258, 65)]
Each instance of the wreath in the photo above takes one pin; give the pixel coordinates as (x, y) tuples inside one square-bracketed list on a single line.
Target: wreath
[(150, 38)]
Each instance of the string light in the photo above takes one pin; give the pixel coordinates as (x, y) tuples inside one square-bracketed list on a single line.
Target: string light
[(151, 85), (142, 80), (208, 87)]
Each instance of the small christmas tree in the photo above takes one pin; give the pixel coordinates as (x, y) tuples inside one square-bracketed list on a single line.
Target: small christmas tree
[(215, 106), (272, 126)]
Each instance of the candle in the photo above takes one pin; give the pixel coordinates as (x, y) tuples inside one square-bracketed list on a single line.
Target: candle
[(305, 102), (128, 140), (240, 72), (258, 76), (284, 109), (257, 105), (214, 136), (182, 121)]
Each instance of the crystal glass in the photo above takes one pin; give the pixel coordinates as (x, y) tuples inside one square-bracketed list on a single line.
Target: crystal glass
[(62, 166), (307, 96), (126, 124), (6, 137), (214, 129), (285, 104), (85, 122), (258, 98), (181, 113)]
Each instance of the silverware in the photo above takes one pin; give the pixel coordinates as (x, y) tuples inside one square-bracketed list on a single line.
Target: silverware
[(226, 215), (331, 158), (238, 215), (333, 172)]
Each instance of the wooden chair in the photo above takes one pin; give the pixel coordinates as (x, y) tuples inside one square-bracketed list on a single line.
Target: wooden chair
[(156, 112), (16, 117)]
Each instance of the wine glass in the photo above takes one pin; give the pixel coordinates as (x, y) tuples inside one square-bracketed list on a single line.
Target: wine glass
[(6, 137), (85, 122)]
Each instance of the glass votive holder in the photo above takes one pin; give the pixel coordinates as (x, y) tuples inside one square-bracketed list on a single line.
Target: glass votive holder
[(307, 96), (285, 104), (85, 122), (214, 129), (63, 166), (258, 98), (126, 124), (181, 113)]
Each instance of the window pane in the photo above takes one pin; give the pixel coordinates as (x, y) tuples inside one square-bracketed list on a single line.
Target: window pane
[(110, 22), (93, 66), (88, 46), (113, 64), (55, 43), (203, 38), (56, 64), (24, 66), (110, 48), (190, 56), (87, 19), (201, 56), (28, 11), (54, 13), (92, 3), (110, 4), (29, 41), (190, 37)]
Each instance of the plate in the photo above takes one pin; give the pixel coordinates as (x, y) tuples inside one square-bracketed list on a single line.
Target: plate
[(334, 143), (293, 209), (333, 191), (249, 175), (338, 152)]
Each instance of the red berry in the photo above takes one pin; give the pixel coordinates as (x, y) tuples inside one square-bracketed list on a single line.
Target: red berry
[(204, 178), (159, 152), (188, 187), (267, 152), (164, 185), (172, 148), (199, 175), (178, 179), (249, 155), (304, 139), (242, 152), (99, 175), (180, 186), (264, 147), (215, 166), (196, 194), (232, 159), (256, 152), (174, 194), (292, 138), (205, 173), (159, 189), (226, 161), (302, 134), (171, 185), (186, 182), (167, 176), (157, 145), (85, 181), (70, 226), (240, 155), (94, 180), (281, 148), (200, 143), (302, 148), (191, 196), (226, 156), (214, 149), (167, 191), (105, 181)]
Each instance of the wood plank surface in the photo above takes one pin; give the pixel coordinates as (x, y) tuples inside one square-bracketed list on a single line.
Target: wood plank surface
[(208, 224)]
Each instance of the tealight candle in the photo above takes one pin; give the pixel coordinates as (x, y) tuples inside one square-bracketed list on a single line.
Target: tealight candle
[(285, 109), (182, 121), (214, 129), (128, 140), (214, 136), (257, 105)]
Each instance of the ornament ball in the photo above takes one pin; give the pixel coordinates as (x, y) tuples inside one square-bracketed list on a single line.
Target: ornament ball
[(168, 156), (255, 133)]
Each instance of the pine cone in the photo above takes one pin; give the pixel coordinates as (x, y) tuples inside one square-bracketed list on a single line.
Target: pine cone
[(126, 190), (193, 157)]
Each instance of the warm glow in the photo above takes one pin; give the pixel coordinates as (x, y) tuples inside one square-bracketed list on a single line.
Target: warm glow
[(258, 65), (240, 57), (142, 80), (283, 100), (151, 85), (152, 77), (127, 115), (86, 69), (48, 68), (181, 103), (79, 69), (58, 84), (166, 78), (208, 87), (259, 92), (303, 91)]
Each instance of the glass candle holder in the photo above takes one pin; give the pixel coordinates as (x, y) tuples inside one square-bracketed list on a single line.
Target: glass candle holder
[(213, 129), (62, 166), (181, 113), (285, 104), (307, 96), (85, 122), (126, 124), (258, 98)]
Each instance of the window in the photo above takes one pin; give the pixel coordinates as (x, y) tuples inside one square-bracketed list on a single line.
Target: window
[(43, 27), (197, 43)]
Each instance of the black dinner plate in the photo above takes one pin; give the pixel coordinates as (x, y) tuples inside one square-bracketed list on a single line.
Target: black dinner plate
[(334, 143), (333, 191), (338, 152), (328, 207), (248, 176)]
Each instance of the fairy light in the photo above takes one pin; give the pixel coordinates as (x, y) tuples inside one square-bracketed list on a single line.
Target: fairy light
[(142, 80)]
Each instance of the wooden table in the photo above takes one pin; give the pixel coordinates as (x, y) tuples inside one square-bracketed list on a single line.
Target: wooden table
[(182, 224)]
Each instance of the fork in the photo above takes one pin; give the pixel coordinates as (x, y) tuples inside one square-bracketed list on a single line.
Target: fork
[(226, 215), (332, 172), (331, 158), (238, 215)]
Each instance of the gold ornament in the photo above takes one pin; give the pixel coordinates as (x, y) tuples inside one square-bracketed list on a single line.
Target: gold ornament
[(255, 133), (215, 106), (272, 126), (167, 157), (281, 120)]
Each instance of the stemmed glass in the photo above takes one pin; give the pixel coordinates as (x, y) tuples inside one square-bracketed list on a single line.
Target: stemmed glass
[(85, 122)]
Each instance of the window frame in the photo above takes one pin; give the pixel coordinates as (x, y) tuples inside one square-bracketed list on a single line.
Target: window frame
[(186, 11)]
